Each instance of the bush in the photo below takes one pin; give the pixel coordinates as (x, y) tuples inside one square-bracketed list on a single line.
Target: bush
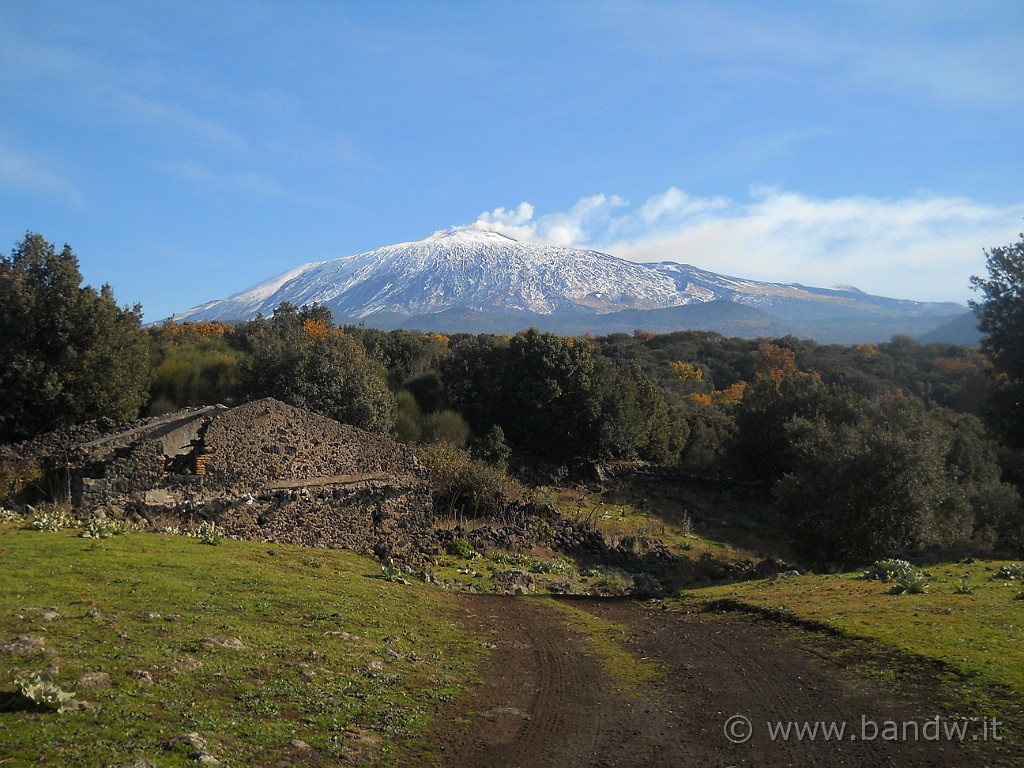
[(462, 485), (445, 427), (461, 548), (408, 418)]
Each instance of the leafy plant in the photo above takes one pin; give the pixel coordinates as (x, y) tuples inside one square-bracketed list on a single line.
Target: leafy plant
[(1010, 572), (8, 515), (888, 570), (52, 519), (39, 688), (209, 532), (912, 583), (390, 572), (963, 588), (104, 528)]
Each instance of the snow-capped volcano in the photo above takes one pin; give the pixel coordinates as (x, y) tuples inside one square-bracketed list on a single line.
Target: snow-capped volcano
[(466, 268), (487, 281)]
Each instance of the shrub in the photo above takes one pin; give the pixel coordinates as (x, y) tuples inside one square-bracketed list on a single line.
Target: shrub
[(461, 548), (445, 427), (466, 486), (408, 418)]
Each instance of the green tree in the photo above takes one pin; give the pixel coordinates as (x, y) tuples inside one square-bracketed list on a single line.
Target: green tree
[(68, 353), (1001, 321), (299, 357), (552, 404)]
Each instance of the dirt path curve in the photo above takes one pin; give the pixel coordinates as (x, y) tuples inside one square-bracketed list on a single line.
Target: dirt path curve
[(546, 701)]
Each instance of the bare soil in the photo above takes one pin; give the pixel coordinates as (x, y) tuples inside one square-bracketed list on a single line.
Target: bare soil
[(544, 700)]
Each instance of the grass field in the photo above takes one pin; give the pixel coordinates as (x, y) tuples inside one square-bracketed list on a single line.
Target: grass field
[(332, 660), (969, 621)]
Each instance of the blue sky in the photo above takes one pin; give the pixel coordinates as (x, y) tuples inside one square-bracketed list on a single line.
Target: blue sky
[(187, 150)]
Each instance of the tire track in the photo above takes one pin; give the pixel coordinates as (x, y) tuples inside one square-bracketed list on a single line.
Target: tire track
[(546, 702)]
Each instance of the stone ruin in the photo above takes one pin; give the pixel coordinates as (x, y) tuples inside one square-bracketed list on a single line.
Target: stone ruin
[(264, 470)]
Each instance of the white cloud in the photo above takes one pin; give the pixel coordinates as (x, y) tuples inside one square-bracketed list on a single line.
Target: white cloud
[(574, 227), (924, 247)]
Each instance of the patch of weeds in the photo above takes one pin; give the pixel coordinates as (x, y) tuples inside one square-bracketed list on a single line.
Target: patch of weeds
[(9, 516), (963, 588), (888, 570), (1010, 572), (105, 528), (52, 519), (391, 572), (612, 582)]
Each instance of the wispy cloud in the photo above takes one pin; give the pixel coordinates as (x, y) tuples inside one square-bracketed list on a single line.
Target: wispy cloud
[(175, 117), (253, 183), (32, 174), (924, 247)]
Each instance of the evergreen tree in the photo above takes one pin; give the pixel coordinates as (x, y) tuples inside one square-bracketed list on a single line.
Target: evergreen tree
[(1001, 320), (68, 353)]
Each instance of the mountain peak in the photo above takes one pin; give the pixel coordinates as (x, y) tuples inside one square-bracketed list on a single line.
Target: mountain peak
[(490, 275), (470, 234)]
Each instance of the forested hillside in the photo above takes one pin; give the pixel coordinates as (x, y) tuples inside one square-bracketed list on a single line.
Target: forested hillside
[(853, 450)]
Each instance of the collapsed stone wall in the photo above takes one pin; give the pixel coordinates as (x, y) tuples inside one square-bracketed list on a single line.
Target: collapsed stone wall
[(264, 470)]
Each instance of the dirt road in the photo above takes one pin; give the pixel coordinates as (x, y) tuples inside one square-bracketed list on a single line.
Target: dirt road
[(546, 701)]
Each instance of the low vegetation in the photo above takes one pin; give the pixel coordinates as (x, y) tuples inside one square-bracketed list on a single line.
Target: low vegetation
[(968, 618), (144, 639)]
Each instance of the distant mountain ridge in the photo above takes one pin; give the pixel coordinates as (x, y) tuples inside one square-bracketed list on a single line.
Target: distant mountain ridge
[(481, 281)]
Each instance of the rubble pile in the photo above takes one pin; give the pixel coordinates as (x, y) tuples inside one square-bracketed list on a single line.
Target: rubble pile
[(264, 470)]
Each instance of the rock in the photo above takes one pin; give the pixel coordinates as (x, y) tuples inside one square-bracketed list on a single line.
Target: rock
[(192, 740), (222, 641), (560, 587), (513, 583), (49, 614), (94, 681), (23, 645), (186, 664), (143, 676), (204, 758), (393, 655), (301, 747)]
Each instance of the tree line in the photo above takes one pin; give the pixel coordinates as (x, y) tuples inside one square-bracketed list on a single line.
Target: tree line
[(857, 450)]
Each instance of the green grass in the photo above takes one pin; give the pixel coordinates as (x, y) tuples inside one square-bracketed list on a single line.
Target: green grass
[(334, 655), (978, 635)]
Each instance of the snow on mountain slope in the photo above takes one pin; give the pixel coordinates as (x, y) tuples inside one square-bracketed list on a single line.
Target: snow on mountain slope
[(461, 268), (480, 271)]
